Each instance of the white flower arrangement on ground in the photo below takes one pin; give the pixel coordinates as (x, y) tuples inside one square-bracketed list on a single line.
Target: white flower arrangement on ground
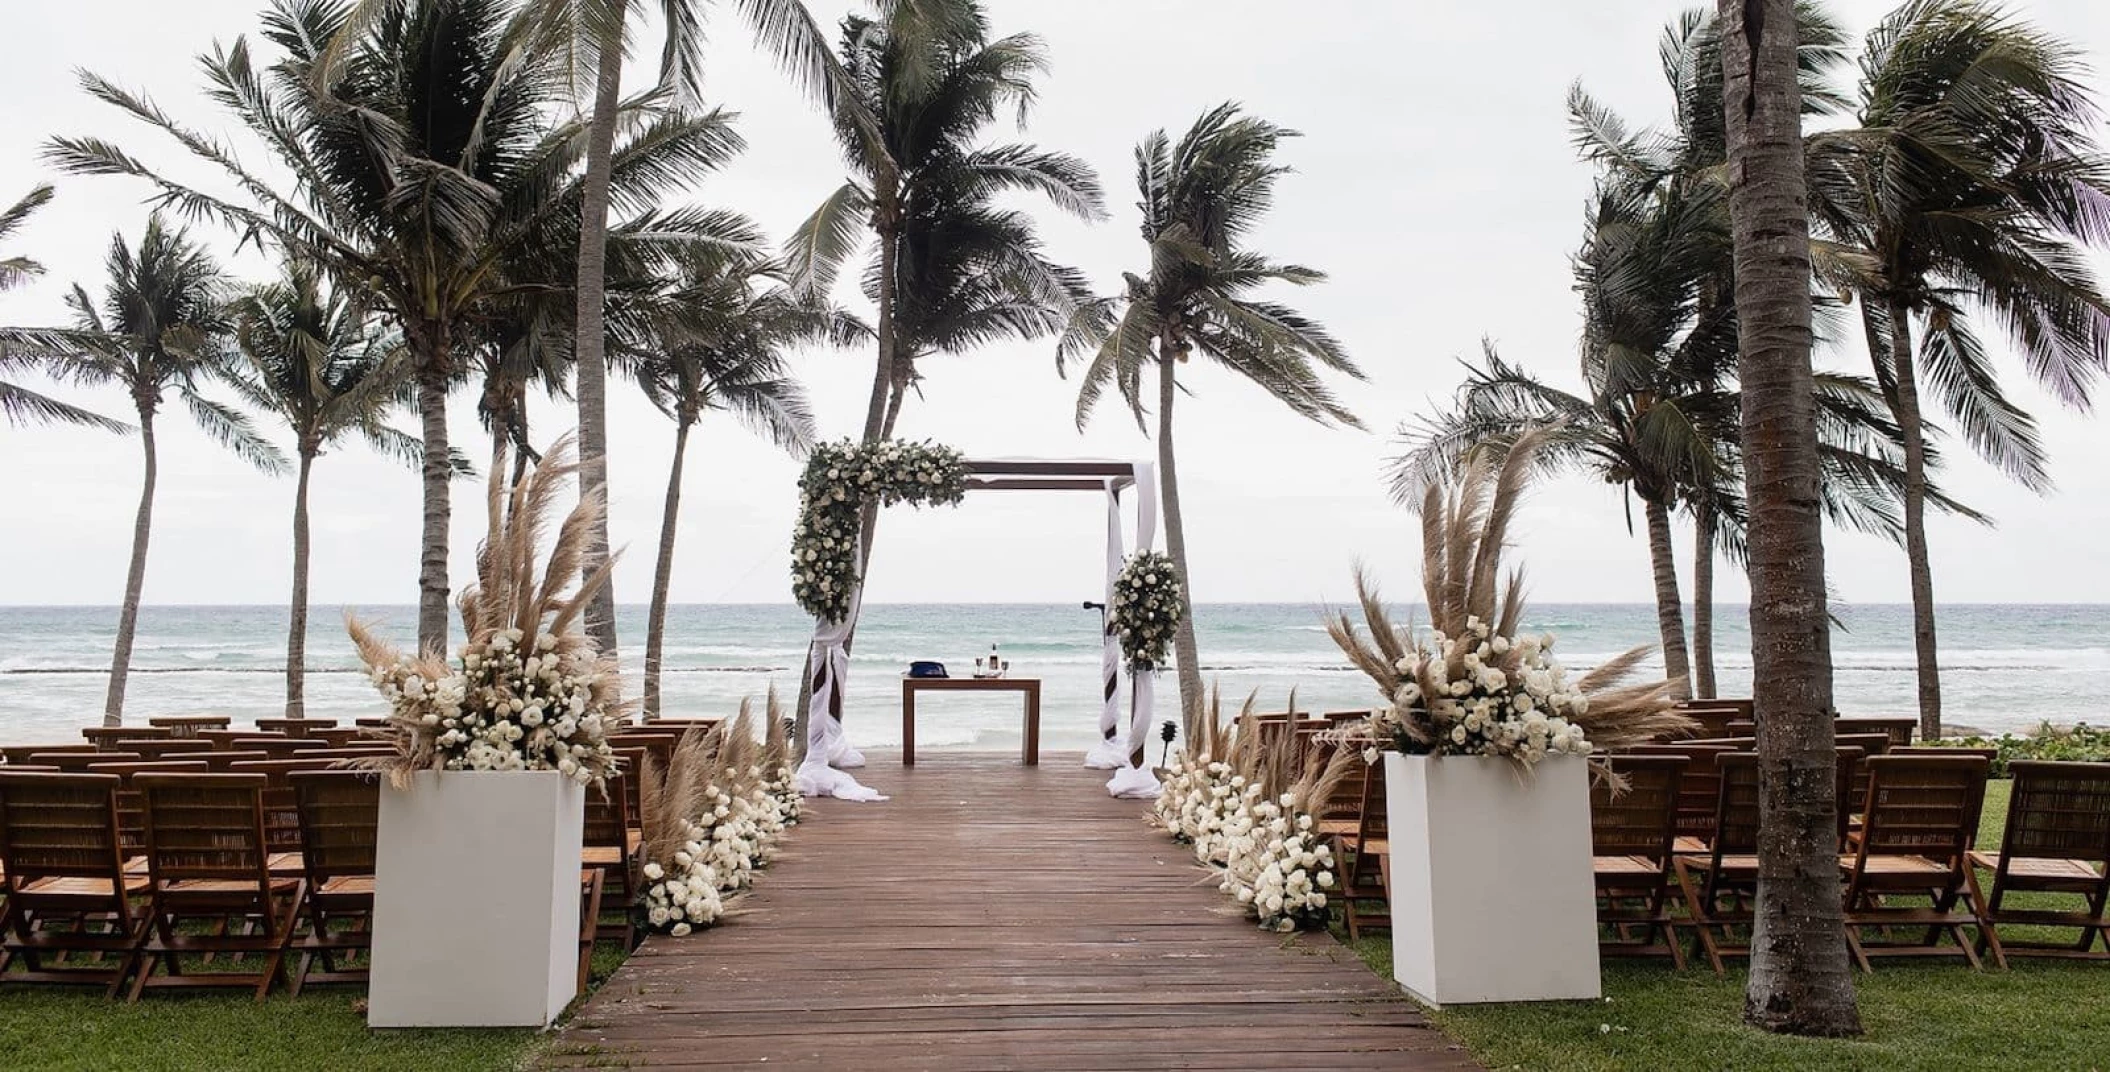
[(528, 692), (1475, 685), (718, 811), (1277, 866), (839, 479), (1146, 609)]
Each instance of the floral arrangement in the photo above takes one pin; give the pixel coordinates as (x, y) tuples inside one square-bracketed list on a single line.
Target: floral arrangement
[(715, 816), (1277, 866), (1473, 685), (1146, 608), (840, 479), (527, 691)]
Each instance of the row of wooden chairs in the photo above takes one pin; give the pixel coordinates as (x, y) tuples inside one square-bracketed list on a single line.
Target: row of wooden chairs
[(1912, 821)]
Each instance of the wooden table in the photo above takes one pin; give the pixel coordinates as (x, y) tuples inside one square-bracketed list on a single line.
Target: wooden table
[(1030, 686)]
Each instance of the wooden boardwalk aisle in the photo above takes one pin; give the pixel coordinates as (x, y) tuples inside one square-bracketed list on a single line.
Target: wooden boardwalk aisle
[(993, 916)]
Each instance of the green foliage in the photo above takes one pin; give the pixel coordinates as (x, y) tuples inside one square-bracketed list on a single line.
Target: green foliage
[(2081, 743), (839, 480)]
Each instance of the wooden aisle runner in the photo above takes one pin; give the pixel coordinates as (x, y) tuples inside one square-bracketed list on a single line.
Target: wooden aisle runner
[(993, 916)]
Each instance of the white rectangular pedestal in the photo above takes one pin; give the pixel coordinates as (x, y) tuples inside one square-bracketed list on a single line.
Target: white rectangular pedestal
[(1492, 898), (476, 900)]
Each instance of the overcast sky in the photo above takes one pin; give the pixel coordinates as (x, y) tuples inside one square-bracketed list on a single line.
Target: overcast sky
[(1435, 183)]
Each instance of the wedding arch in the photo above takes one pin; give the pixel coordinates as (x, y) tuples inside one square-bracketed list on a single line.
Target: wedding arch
[(841, 479)]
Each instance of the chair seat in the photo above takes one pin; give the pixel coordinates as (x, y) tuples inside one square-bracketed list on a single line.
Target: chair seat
[(287, 864), (1732, 861), (1624, 865), (2040, 867), (1376, 847), (1336, 827), (1687, 845), (199, 886), (81, 887), (348, 885), (600, 856), (1887, 864)]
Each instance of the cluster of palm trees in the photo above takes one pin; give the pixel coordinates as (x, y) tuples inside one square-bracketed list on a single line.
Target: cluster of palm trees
[(462, 196), (1955, 185)]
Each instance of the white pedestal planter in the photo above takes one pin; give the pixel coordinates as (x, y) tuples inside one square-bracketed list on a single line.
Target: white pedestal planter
[(1492, 898), (476, 900)]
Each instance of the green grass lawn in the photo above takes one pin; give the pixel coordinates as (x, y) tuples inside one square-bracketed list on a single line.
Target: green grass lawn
[(1933, 1015), (53, 1028)]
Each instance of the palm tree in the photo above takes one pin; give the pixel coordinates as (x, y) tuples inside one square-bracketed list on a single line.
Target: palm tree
[(419, 182), (953, 269), (590, 34), (721, 345), (315, 361), (1684, 162), (1971, 184), (21, 349), (1200, 200), (157, 329), (1800, 981)]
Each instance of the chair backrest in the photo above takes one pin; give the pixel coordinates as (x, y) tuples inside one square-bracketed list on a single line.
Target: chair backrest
[(335, 736), (1700, 786), (170, 747), (1641, 820), (192, 722), (221, 761), (1736, 804), (295, 727), (372, 722), (277, 747), (1372, 818), (131, 806), (205, 827), (630, 761), (608, 818), (1873, 744), (340, 814), (115, 738), (81, 761), (1989, 753), (279, 770), (2058, 810), (59, 825), (1712, 716), (1850, 790), (1899, 730), (1923, 806), (21, 753), (1339, 717)]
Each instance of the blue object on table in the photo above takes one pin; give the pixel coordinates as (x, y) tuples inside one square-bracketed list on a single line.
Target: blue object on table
[(925, 668)]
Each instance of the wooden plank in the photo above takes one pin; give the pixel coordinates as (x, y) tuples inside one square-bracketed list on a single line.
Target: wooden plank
[(993, 916)]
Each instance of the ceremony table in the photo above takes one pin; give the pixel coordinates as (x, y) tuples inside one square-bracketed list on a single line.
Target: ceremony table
[(1028, 686)]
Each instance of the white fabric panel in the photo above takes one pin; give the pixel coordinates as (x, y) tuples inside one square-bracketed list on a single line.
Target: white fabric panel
[(1110, 751), (1135, 781), (827, 749)]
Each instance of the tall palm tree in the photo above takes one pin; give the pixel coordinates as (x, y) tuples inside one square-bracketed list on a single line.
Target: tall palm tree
[(1971, 185), (424, 160), (1800, 981), (952, 268), (312, 358), (22, 348), (1684, 162), (158, 328), (590, 34), (721, 345), (1201, 199)]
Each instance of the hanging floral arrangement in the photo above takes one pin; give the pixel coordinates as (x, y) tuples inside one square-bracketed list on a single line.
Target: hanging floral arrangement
[(1146, 609), (839, 480)]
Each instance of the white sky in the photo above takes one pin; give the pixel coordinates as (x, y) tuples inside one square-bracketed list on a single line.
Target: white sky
[(1435, 183)]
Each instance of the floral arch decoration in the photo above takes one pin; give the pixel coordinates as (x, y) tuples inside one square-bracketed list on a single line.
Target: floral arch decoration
[(841, 481)]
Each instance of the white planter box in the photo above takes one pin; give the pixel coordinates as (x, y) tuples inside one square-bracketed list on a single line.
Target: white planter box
[(1492, 898), (476, 900)]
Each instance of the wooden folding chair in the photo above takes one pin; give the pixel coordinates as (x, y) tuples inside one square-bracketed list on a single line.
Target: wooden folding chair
[(118, 738), (1631, 836), (79, 762), (1921, 818), (2057, 841), (1873, 744), (339, 814), (295, 727), (282, 808), (63, 887), (170, 748), (20, 754), (1697, 790), (610, 846), (1366, 854), (1899, 730), (208, 860), (191, 725), (1718, 884)]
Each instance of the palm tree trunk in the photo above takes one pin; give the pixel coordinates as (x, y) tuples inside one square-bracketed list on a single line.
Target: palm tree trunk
[(297, 632), (432, 553), (656, 629), (1800, 981), (135, 576), (1703, 602), (1183, 647), (589, 346), (1670, 609), (1906, 399)]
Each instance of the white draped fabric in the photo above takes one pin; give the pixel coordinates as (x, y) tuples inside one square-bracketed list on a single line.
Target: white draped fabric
[(1112, 750), (828, 751), (1134, 780)]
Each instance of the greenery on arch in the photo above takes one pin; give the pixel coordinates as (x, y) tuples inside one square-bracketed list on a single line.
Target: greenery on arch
[(1146, 608), (840, 479)]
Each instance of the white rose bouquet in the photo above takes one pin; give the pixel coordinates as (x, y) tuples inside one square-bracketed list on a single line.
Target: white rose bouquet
[(839, 479), (1146, 609), (528, 691)]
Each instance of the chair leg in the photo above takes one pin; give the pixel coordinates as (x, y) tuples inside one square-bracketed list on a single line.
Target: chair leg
[(1702, 927), (1988, 932), (1853, 945)]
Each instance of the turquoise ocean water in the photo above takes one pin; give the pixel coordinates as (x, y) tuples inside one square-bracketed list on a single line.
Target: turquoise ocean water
[(2005, 667)]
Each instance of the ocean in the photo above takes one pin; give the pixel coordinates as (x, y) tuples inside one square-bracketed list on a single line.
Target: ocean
[(2005, 667)]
